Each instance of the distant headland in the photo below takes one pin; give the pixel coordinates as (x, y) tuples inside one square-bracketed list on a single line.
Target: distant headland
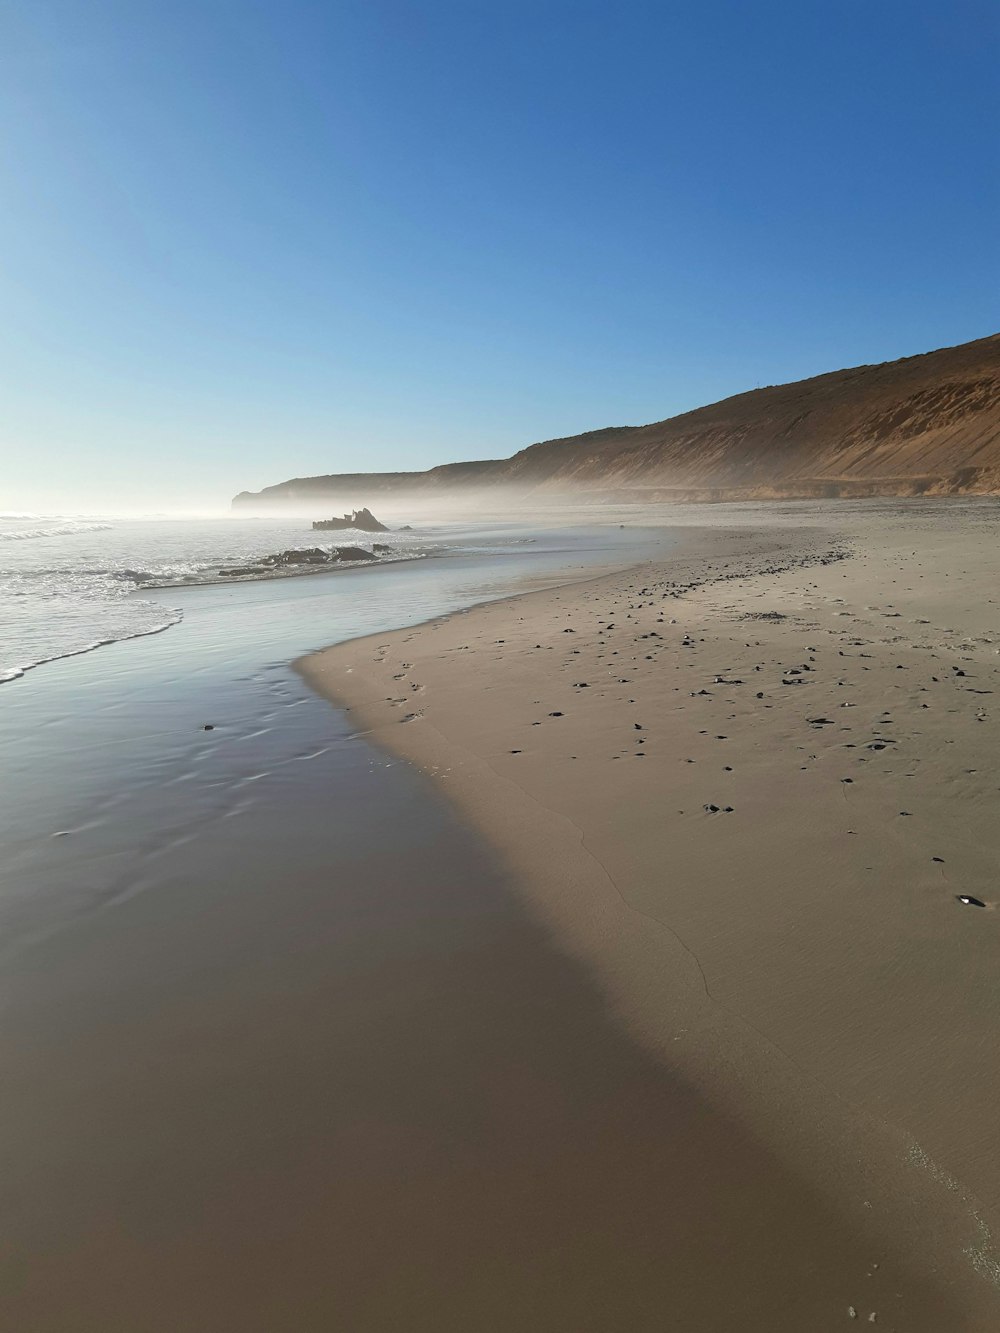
[(923, 425)]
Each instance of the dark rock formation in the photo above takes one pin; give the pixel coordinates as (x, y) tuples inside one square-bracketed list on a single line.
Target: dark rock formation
[(295, 559), (313, 555), (362, 519)]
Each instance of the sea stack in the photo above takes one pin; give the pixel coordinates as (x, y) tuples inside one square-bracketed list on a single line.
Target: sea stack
[(361, 519)]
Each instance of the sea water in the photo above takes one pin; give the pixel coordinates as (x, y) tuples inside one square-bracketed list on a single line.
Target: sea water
[(72, 583)]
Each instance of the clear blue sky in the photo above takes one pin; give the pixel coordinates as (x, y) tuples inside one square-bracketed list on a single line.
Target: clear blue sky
[(248, 239)]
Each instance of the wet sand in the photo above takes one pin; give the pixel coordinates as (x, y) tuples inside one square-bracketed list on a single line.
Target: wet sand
[(380, 1099), (745, 789), (270, 1041)]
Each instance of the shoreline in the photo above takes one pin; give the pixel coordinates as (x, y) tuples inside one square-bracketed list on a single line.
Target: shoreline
[(587, 865)]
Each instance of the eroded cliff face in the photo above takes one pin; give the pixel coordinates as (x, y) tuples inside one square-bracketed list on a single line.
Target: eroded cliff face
[(924, 425)]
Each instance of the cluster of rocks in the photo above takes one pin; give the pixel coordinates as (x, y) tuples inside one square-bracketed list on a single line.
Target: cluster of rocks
[(312, 556)]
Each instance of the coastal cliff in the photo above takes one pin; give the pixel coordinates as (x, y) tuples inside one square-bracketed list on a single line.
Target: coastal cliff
[(923, 425)]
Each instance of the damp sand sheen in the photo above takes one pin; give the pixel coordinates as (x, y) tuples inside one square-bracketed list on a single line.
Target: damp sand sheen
[(754, 791)]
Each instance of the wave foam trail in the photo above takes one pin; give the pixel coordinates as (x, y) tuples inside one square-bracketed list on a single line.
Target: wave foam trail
[(33, 529)]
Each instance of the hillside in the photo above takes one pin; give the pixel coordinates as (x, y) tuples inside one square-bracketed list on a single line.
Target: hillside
[(923, 425)]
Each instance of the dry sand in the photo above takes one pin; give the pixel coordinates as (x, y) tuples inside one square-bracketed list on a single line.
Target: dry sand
[(746, 787)]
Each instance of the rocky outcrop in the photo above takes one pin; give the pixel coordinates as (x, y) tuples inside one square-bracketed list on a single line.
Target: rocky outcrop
[(309, 557), (923, 425), (361, 519)]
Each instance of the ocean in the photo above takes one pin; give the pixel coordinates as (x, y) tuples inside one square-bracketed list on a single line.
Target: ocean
[(71, 583), (107, 766)]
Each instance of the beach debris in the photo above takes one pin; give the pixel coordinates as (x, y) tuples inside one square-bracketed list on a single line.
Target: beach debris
[(969, 901)]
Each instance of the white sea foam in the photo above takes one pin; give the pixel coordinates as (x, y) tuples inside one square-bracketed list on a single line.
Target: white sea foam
[(29, 527)]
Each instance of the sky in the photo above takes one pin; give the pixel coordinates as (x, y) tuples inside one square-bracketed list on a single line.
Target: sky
[(246, 240)]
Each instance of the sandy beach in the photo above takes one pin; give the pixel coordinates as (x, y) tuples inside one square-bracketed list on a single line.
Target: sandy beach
[(746, 789)]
